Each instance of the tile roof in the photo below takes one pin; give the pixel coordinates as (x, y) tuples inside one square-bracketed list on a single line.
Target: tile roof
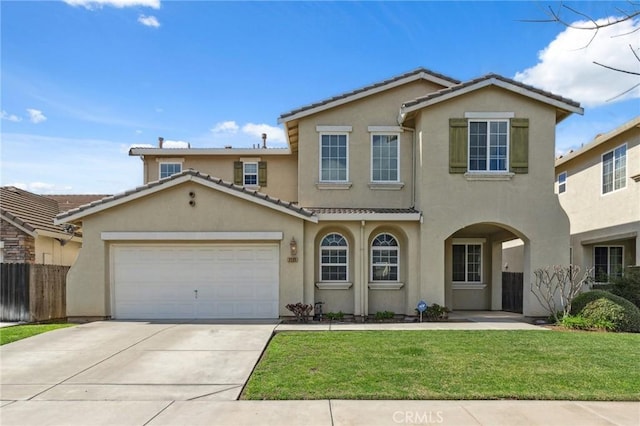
[(72, 201), (355, 210), (490, 76), (185, 173), (31, 211), (367, 88)]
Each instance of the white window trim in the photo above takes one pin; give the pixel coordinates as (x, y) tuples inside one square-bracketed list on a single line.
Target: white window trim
[(614, 170), (489, 115), (388, 285), (343, 184), (384, 182), (469, 285), (169, 161), (385, 129), (488, 174), (558, 182), (320, 264), (371, 265), (608, 246), (244, 174)]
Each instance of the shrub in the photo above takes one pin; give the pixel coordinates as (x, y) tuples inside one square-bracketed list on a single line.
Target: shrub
[(436, 312), (300, 310), (627, 286), (604, 314), (577, 322), (383, 315), (333, 316), (631, 316)]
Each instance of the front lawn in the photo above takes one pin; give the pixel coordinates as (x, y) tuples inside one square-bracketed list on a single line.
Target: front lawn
[(18, 332), (448, 365)]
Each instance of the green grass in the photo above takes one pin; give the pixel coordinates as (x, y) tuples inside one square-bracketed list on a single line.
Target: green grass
[(19, 332), (448, 365)]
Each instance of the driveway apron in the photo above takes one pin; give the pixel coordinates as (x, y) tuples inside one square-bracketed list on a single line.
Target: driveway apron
[(131, 361)]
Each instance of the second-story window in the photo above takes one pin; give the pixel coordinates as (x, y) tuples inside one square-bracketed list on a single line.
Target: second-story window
[(168, 169), (385, 159), (334, 158), (614, 169), (562, 182), (250, 174), (488, 146)]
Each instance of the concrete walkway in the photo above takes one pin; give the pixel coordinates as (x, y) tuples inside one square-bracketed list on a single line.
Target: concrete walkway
[(141, 373)]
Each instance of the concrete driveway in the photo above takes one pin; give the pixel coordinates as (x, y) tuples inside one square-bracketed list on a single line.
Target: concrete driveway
[(129, 361)]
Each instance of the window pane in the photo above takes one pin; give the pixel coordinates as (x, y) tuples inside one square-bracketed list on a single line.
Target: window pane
[(477, 145), (615, 262), (607, 172), (334, 158), (601, 264), (458, 262), (473, 262), (384, 151)]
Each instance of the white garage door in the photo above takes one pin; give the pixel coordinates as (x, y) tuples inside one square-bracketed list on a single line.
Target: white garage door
[(195, 281)]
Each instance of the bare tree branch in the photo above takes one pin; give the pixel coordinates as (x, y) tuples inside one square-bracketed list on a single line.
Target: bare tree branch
[(617, 69)]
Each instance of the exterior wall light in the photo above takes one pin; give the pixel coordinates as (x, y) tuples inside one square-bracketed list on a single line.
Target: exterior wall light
[(293, 246)]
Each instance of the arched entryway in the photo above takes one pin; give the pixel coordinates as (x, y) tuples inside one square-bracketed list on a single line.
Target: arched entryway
[(474, 265)]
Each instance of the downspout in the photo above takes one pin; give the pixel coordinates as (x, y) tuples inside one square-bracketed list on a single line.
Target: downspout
[(364, 299), (413, 168)]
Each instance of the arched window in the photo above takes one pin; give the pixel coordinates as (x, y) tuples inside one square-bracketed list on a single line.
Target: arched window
[(384, 258), (334, 252)]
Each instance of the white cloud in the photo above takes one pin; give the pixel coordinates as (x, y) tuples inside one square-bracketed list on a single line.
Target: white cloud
[(274, 134), (98, 4), (175, 144), (225, 127), (11, 117), (566, 65), (42, 187), (149, 21), (36, 116)]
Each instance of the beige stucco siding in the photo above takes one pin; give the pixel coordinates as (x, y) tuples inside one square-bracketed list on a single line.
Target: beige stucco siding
[(282, 173), (583, 200), (524, 204), (50, 251), (379, 110), (89, 280)]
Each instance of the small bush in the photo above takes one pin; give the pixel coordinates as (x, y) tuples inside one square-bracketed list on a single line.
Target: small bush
[(300, 310), (604, 314), (630, 321), (627, 286), (577, 322), (383, 315), (436, 312), (335, 316)]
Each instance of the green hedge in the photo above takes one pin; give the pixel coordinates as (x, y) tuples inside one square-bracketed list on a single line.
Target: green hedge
[(626, 320)]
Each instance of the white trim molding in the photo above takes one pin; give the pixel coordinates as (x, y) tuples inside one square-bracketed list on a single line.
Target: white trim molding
[(386, 186), (489, 115), (385, 129), (385, 285), (191, 236), (334, 285), (492, 176), (333, 185), (334, 129)]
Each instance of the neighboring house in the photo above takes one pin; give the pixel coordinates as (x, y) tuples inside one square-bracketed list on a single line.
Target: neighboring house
[(27, 232), (599, 187), (396, 192)]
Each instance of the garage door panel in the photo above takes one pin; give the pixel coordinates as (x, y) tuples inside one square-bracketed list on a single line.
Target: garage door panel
[(232, 281)]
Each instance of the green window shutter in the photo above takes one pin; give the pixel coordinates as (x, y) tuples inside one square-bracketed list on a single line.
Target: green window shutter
[(458, 145), (237, 172), (519, 145), (262, 173)]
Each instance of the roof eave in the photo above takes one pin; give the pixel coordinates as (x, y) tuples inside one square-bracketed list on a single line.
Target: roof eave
[(173, 152), (383, 217), (561, 105)]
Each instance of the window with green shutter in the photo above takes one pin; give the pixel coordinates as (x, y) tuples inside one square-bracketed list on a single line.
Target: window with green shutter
[(262, 173), (458, 137)]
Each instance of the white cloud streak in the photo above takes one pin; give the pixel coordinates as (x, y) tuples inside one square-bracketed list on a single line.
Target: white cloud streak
[(149, 21), (175, 144), (10, 117), (566, 65), (36, 116), (274, 134), (225, 127), (99, 4), (42, 187)]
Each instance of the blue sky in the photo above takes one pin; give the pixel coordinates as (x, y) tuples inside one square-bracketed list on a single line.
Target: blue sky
[(84, 80)]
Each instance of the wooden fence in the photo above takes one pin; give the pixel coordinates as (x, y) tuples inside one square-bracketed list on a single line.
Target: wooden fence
[(32, 293), (512, 283)]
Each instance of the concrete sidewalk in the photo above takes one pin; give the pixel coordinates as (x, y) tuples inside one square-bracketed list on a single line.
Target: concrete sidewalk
[(320, 413), (171, 373)]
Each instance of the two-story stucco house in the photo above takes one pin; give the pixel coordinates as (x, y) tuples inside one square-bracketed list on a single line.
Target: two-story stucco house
[(599, 187), (397, 192)]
